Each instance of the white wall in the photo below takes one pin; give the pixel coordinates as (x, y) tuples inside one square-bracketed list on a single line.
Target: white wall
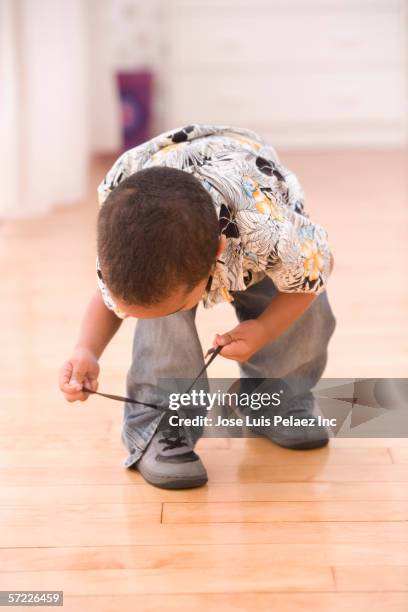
[(305, 73)]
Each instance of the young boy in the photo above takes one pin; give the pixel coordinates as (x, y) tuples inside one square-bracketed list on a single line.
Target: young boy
[(205, 212)]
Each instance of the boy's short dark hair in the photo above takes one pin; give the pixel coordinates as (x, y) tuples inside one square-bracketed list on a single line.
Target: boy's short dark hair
[(157, 231)]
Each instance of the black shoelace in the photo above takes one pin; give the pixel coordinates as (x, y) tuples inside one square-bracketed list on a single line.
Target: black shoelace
[(173, 439)]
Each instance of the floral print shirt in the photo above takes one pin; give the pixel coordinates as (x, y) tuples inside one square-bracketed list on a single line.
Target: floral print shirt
[(259, 202)]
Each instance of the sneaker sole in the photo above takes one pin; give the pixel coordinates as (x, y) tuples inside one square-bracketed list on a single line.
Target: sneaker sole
[(167, 483), (180, 484), (303, 445)]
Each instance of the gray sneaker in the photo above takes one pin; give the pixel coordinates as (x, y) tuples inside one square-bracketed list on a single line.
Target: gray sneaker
[(290, 435), (169, 460)]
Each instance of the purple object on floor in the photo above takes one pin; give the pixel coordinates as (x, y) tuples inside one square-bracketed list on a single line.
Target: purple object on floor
[(135, 91)]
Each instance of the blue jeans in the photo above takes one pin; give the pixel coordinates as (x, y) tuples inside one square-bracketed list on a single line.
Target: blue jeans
[(169, 348)]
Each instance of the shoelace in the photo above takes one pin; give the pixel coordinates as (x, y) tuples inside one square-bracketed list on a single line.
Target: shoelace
[(211, 352), (172, 439)]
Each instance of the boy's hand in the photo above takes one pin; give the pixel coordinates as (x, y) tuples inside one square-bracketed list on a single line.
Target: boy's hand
[(250, 336), (243, 341), (80, 370)]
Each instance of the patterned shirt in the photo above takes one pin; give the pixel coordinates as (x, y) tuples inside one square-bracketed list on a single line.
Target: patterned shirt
[(259, 203)]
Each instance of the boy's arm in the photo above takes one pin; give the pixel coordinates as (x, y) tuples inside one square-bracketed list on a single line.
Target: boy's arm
[(99, 325), (285, 309), (250, 336)]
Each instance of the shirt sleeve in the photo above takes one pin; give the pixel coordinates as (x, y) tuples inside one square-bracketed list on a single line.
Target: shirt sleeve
[(106, 296), (117, 173), (300, 260)]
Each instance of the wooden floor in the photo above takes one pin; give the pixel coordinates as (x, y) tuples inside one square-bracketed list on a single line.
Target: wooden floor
[(274, 529)]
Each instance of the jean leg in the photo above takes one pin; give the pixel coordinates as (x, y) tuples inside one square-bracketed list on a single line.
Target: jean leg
[(163, 348)]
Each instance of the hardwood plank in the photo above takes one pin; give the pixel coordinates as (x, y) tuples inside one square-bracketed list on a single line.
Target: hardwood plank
[(214, 492), (271, 454), (198, 556), (250, 512), (379, 578), (232, 602), (308, 473), (32, 439), (257, 455), (399, 454), (147, 512), (106, 533), (69, 475), (169, 580), (75, 475)]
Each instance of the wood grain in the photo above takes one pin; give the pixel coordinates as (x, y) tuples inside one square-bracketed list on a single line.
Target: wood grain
[(231, 602), (215, 492), (261, 512), (202, 555), (321, 531)]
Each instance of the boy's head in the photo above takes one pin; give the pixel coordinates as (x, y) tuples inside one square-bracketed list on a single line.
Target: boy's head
[(157, 238)]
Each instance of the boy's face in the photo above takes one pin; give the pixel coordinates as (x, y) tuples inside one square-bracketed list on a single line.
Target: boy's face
[(179, 300)]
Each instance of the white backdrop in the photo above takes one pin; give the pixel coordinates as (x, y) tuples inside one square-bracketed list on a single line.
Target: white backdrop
[(44, 107), (322, 75)]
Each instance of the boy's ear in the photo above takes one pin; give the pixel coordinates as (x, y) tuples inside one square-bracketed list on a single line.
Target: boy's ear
[(221, 244)]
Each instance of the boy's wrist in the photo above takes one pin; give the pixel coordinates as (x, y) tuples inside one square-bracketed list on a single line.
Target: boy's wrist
[(84, 349)]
